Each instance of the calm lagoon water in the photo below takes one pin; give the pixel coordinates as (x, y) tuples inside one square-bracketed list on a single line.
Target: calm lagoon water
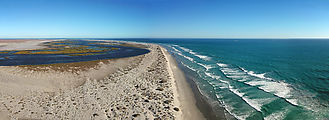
[(9, 59)]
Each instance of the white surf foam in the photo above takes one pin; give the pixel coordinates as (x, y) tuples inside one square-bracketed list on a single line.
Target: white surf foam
[(235, 76), (194, 53), (212, 75), (256, 105), (203, 57), (230, 110), (187, 57), (292, 101), (218, 96), (183, 48), (279, 89), (232, 72), (252, 73), (222, 65), (276, 116), (258, 75), (217, 84), (224, 81), (188, 67), (205, 66), (175, 49)]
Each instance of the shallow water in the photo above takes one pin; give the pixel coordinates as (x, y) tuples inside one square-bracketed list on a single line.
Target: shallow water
[(10, 59), (259, 79)]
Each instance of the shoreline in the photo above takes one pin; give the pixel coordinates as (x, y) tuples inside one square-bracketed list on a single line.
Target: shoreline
[(185, 96), (204, 104), (199, 101)]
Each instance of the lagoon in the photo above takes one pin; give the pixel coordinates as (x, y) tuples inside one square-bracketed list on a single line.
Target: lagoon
[(68, 51)]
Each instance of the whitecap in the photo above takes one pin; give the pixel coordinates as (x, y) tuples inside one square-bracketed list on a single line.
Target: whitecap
[(222, 65), (254, 104), (280, 89), (175, 49), (194, 53), (212, 76), (235, 76), (183, 48), (224, 81), (218, 96), (189, 58), (232, 72), (203, 57), (276, 116), (188, 67), (217, 84), (205, 66), (293, 101), (230, 110), (252, 73)]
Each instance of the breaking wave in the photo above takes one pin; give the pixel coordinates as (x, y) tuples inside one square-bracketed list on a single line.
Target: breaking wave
[(187, 57), (278, 88), (203, 57), (252, 73), (188, 67), (206, 66)]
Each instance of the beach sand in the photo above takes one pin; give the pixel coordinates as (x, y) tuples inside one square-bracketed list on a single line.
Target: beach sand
[(183, 93), (148, 86), (22, 44)]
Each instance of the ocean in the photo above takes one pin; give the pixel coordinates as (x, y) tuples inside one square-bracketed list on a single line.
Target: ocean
[(257, 79)]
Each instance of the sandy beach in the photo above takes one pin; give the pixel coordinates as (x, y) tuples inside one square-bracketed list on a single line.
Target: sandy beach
[(21, 44), (148, 86)]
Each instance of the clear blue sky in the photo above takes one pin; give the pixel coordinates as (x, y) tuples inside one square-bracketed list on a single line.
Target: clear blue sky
[(164, 18)]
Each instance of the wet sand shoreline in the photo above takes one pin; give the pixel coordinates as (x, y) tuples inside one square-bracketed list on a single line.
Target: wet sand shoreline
[(186, 97), (210, 110)]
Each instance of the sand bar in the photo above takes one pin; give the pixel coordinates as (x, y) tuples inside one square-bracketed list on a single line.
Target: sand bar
[(19, 44)]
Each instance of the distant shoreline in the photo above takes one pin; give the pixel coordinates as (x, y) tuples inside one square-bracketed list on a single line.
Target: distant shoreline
[(22, 44)]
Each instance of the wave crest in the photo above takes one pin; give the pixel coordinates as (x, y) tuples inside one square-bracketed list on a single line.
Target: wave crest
[(203, 57)]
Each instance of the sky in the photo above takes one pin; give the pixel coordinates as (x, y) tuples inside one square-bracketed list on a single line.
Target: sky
[(164, 18)]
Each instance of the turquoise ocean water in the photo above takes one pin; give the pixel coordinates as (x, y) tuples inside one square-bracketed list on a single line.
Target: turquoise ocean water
[(258, 78)]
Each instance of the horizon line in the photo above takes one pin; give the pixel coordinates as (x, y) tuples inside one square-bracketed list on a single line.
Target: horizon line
[(157, 38)]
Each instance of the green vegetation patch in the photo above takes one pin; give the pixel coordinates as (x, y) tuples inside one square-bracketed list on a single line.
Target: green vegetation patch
[(4, 52), (85, 54), (63, 51), (66, 47)]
